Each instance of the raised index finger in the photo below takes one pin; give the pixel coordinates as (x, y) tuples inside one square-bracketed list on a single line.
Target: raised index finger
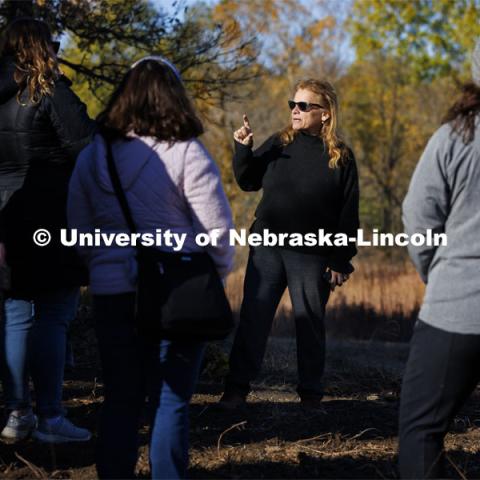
[(246, 123)]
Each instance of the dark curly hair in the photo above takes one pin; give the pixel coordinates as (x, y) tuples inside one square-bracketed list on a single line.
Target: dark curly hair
[(29, 42), (462, 113)]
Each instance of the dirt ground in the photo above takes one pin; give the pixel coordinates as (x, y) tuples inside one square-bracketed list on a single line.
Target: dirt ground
[(353, 435)]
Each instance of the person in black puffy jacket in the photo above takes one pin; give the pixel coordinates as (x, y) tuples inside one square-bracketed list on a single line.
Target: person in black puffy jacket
[(43, 127)]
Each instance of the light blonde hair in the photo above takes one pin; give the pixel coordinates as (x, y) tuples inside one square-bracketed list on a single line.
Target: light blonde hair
[(337, 150)]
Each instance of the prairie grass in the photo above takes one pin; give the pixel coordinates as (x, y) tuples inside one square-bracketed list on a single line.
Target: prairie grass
[(380, 301)]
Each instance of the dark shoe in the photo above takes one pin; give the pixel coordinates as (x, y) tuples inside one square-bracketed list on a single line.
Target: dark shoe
[(232, 400), (60, 430), (311, 400)]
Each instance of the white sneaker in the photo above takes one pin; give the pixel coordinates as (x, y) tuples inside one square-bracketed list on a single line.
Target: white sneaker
[(20, 424), (60, 430)]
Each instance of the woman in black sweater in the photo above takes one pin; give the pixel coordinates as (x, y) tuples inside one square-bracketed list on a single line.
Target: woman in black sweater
[(310, 182)]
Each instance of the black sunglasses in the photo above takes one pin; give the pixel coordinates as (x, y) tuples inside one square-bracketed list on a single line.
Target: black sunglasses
[(303, 106)]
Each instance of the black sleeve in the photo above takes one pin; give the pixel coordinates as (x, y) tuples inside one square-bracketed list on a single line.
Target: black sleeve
[(7, 195), (2, 227), (250, 166), (8, 85), (69, 117), (348, 222)]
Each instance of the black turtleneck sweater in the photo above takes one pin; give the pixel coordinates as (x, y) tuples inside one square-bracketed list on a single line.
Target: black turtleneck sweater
[(301, 193)]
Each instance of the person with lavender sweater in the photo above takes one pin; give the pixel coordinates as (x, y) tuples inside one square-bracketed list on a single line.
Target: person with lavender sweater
[(175, 188), (171, 183)]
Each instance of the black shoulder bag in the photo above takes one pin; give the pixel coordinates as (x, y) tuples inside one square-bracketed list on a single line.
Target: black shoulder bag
[(179, 295)]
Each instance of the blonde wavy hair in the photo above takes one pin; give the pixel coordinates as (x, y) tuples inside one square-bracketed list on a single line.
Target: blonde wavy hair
[(337, 150), (29, 42)]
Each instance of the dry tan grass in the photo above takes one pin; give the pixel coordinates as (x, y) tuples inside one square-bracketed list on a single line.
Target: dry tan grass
[(381, 298), (387, 288)]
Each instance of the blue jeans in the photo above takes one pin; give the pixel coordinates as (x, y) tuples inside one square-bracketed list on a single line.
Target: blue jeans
[(15, 333), (133, 369), (33, 338)]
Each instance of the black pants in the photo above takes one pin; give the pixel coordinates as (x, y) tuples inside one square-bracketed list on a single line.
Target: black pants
[(442, 371), (269, 271)]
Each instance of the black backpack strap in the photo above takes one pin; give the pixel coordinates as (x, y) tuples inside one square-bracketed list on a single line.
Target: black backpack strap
[(117, 187)]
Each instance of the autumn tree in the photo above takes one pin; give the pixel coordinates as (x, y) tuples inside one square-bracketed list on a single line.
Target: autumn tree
[(409, 58), (295, 41), (433, 36), (103, 37), (387, 120)]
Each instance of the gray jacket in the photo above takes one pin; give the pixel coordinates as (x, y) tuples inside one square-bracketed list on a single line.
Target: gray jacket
[(444, 195)]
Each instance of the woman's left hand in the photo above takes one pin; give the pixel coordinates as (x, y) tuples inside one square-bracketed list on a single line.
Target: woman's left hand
[(338, 279)]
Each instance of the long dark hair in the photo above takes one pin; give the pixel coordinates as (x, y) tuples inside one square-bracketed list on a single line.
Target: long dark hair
[(462, 113), (150, 101), (29, 42)]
